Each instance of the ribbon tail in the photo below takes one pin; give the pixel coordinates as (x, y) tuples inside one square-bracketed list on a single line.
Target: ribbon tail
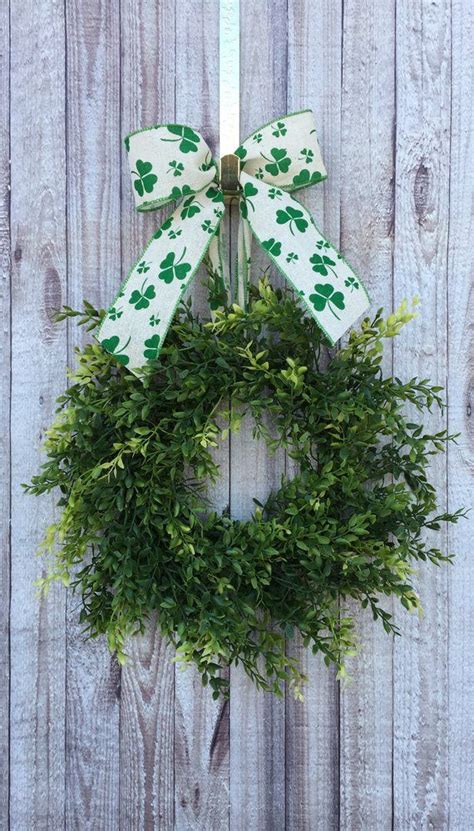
[(218, 271), (334, 295), (136, 325), (244, 259)]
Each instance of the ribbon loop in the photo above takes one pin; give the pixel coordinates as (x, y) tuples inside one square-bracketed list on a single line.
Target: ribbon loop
[(168, 162), (284, 153)]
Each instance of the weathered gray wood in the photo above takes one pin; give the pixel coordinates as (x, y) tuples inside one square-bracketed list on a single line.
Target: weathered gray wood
[(257, 753), (147, 735), (367, 203), (202, 725), (461, 456), (38, 233), (169, 767), (421, 221), (93, 235), (312, 726), (5, 433), (147, 699)]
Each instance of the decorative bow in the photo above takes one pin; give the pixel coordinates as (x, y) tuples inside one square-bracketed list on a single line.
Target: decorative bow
[(173, 162)]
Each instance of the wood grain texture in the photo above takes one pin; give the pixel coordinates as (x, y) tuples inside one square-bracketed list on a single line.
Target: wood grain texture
[(423, 47), (460, 418), (83, 745), (312, 726), (5, 432), (38, 236), (93, 205), (202, 725), (147, 735), (257, 756), (147, 698), (367, 204)]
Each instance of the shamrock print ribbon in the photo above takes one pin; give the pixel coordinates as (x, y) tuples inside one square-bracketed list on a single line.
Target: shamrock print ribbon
[(173, 162)]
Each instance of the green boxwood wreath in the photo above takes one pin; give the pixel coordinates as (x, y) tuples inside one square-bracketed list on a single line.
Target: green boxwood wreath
[(131, 457)]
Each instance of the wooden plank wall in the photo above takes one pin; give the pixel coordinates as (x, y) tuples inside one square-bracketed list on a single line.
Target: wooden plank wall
[(87, 745)]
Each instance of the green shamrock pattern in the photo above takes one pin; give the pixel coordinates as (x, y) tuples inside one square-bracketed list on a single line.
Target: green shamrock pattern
[(272, 246), (153, 347), (279, 129), (297, 248), (248, 191), (190, 208), (187, 138), (177, 193), (111, 345), (287, 147), (140, 298), (145, 178), (306, 177), (326, 295), (275, 193), (173, 162), (294, 217), (176, 168), (280, 163), (166, 225), (215, 194), (173, 269), (322, 264), (351, 283)]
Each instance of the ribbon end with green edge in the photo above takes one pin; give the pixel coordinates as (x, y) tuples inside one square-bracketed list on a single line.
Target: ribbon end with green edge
[(331, 319), (334, 295), (136, 325)]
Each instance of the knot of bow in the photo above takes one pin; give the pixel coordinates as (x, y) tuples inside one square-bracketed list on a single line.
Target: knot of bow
[(173, 162)]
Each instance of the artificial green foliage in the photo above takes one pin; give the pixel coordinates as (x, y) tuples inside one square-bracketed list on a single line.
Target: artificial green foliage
[(130, 458)]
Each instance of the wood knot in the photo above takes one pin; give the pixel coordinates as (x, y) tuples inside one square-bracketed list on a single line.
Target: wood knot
[(52, 299), (421, 191)]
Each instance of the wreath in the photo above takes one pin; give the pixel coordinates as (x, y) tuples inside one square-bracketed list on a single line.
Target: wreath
[(131, 458)]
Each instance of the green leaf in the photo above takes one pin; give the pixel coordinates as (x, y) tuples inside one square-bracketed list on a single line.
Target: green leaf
[(131, 460)]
